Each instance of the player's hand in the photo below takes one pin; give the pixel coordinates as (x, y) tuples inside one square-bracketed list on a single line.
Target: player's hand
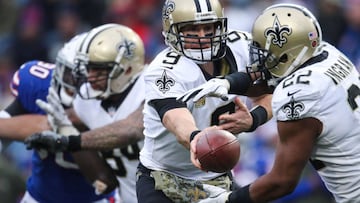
[(216, 194), (213, 88), (193, 153), (47, 140), (237, 122), (57, 116)]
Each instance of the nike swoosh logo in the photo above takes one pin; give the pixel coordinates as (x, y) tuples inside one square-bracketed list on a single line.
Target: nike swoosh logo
[(292, 93), (169, 67)]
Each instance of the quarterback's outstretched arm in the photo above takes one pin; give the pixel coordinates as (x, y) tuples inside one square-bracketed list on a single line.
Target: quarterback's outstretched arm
[(239, 83)]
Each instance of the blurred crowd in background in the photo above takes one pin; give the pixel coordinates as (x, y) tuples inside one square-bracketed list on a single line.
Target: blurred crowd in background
[(36, 29)]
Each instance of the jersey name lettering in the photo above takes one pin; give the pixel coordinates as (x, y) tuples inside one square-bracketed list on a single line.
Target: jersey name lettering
[(339, 70)]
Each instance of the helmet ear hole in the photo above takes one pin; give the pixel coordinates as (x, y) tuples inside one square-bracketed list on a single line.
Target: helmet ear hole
[(284, 58), (128, 71)]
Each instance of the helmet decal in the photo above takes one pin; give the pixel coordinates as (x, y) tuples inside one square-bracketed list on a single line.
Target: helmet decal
[(114, 52), (129, 48), (277, 32), (168, 8)]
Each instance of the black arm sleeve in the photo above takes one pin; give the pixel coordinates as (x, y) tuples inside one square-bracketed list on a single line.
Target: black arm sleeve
[(15, 108), (163, 105), (239, 83)]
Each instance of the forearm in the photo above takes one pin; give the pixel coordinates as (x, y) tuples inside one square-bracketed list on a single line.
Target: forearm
[(181, 123), (118, 134), (264, 189), (239, 83), (115, 135), (242, 84), (20, 127), (264, 101), (257, 192)]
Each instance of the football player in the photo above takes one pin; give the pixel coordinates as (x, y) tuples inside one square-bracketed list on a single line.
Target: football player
[(55, 177), (200, 47), (315, 103), (111, 67), (111, 88)]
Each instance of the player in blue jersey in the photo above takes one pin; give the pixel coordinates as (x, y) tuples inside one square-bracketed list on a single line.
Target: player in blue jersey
[(55, 176)]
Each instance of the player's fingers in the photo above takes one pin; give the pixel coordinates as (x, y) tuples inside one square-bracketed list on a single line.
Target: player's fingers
[(226, 118), (53, 100), (44, 106), (222, 92), (226, 126), (52, 93), (239, 104), (191, 94), (194, 160)]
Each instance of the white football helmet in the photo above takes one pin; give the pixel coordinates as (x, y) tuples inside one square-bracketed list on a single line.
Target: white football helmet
[(115, 49), (63, 80), (179, 13), (285, 36)]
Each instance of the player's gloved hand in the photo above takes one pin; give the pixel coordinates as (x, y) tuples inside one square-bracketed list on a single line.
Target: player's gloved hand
[(53, 142), (216, 194), (57, 116), (213, 88)]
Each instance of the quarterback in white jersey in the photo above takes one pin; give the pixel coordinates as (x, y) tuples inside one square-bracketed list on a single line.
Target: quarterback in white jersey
[(315, 103), (169, 76), (200, 48)]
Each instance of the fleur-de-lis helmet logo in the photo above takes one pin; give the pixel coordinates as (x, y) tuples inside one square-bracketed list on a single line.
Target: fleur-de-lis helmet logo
[(129, 48), (278, 32), (168, 8)]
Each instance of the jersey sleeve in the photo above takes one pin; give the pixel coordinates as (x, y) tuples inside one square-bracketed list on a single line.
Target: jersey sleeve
[(293, 100), (168, 79), (32, 82)]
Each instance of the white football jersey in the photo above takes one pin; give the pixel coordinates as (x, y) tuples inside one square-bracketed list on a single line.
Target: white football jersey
[(124, 161), (329, 91), (169, 76)]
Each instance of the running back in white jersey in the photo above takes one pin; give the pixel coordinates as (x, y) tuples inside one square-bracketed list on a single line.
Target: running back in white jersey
[(124, 161), (169, 76), (328, 90)]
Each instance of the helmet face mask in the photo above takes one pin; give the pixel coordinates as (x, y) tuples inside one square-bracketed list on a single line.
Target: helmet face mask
[(284, 37), (178, 14), (110, 59), (63, 78)]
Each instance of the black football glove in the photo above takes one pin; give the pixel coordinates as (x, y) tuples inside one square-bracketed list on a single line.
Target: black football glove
[(53, 142)]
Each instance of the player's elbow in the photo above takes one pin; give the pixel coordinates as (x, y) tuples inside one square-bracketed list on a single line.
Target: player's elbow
[(286, 186), (136, 134)]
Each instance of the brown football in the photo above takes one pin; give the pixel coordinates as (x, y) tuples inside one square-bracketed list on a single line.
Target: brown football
[(218, 150)]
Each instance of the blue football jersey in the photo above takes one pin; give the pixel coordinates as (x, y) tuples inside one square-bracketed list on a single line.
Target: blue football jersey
[(55, 177)]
